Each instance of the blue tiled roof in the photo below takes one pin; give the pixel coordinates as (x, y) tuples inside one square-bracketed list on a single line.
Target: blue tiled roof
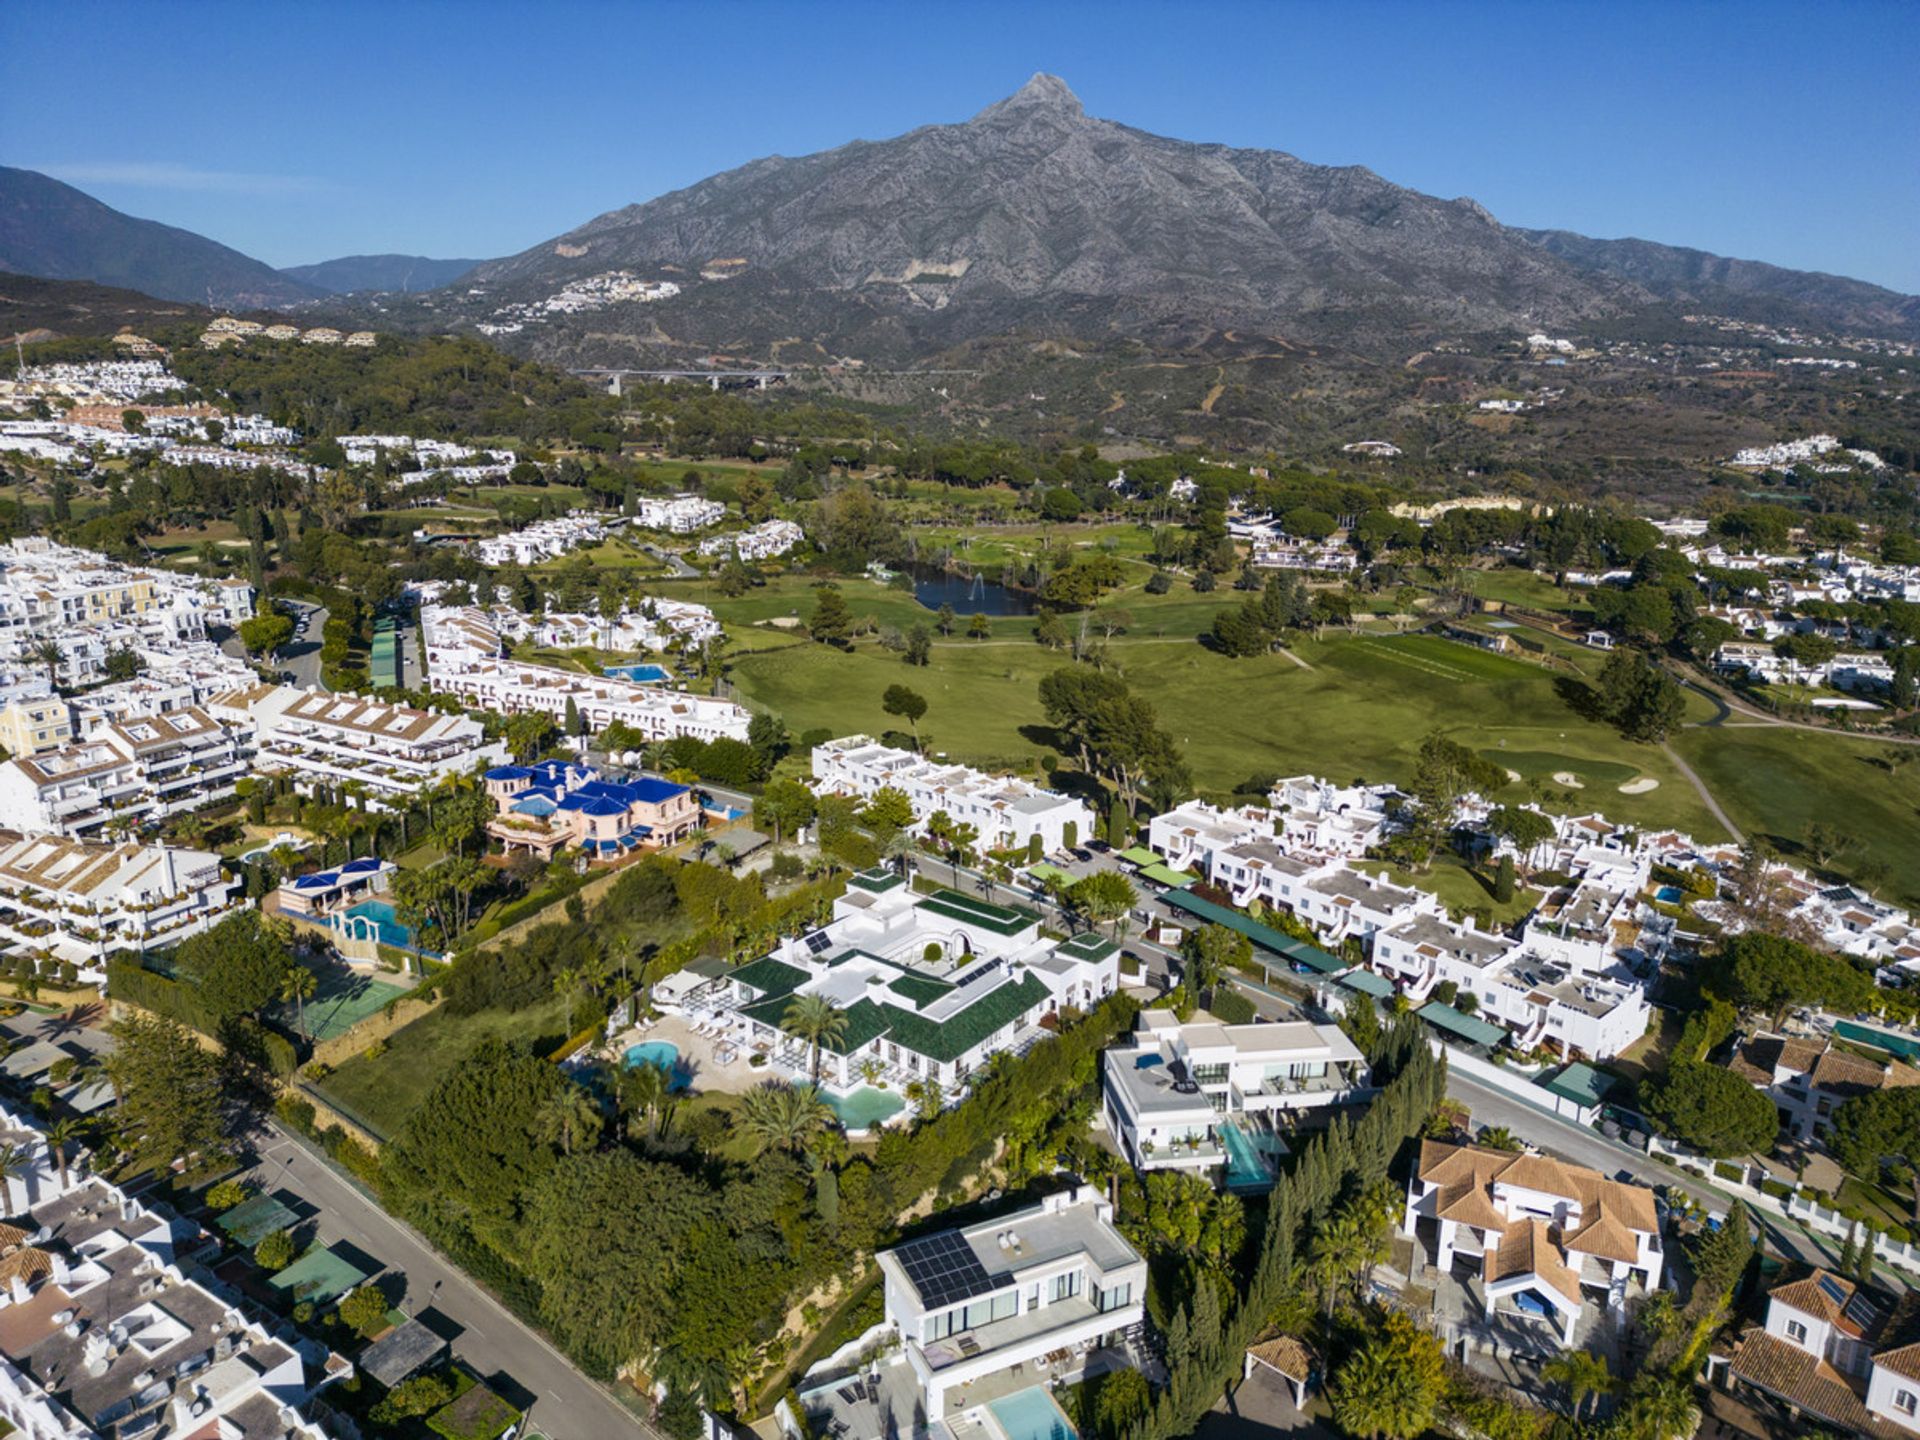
[(363, 866), (509, 772), (535, 805), (593, 805), (317, 882), (652, 792)]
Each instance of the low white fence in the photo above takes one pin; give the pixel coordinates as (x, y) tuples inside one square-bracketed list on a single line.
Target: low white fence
[(1513, 1082)]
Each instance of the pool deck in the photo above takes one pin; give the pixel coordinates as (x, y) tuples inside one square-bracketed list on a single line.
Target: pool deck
[(699, 1056)]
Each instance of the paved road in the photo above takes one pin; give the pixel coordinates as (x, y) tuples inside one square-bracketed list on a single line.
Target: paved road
[(1706, 795), (567, 1405)]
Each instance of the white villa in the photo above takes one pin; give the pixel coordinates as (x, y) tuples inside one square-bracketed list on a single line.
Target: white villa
[(82, 902), (762, 542), (1829, 1353), (930, 986), (1542, 1239), (1203, 1095), (1004, 811), (988, 1312), (677, 514)]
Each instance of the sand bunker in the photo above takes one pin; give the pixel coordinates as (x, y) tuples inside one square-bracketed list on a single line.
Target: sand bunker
[(1568, 779), (1515, 776), (1640, 785)]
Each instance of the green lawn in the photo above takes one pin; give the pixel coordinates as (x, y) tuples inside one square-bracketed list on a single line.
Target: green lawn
[(1459, 888), (382, 1092)]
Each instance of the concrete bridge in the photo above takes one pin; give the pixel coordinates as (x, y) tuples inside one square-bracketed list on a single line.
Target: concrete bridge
[(615, 380)]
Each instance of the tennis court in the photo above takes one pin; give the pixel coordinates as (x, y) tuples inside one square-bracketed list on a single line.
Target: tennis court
[(343, 1000), (319, 1275)]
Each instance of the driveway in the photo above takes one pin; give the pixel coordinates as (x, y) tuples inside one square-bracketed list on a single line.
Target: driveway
[(484, 1334)]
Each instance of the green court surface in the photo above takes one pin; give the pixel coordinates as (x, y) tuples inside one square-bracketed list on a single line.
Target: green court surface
[(251, 1221), (319, 1275), (343, 1001)]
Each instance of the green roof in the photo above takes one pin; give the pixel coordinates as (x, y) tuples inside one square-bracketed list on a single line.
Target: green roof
[(865, 1022), (319, 1275), (1445, 1017), (1166, 875), (1088, 945), (770, 976), (1368, 983), (1581, 1084), (951, 1038), (922, 990), (876, 881), (1265, 936), (1139, 855), (1001, 919)]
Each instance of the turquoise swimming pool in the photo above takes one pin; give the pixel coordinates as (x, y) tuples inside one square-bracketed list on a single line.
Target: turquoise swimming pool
[(384, 920), (1031, 1415), (1247, 1168), (865, 1108), (642, 674), (662, 1055)]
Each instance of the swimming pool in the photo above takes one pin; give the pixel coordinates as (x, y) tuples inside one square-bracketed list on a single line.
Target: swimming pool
[(1669, 894), (865, 1108), (1246, 1167), (662, 1055), (1030, 1414), (384, 920), (641, 674)]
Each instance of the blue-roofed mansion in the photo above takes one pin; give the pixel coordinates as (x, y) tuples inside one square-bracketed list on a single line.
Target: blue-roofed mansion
[(553, 806), (931, 987)]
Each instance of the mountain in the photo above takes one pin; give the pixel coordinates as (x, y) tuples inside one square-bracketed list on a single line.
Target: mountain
[(54, 231), (1035, 219), (402, 273), (36, 309)]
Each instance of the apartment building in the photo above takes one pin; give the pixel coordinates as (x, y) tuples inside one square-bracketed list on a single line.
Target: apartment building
[(1830, 1353), (382, 754), (104, 1332), (463, 659), (554, 806), (655, 624), (82, 902), (1209, 1097), (677, 514), (1550, 1244), (34, 719), (1005, 812), (543, 540), (761, 542), (1541, 998), (932, 986), (123, 774)]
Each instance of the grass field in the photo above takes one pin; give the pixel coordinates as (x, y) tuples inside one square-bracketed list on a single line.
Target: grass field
[(382, 1092)]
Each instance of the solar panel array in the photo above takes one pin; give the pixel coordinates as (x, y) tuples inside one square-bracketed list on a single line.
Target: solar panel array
[(944, 1269), (1862, 1312), (1833, 1290), (818, 942)]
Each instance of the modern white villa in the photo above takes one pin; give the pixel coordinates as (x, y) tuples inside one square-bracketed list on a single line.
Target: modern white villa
[(930, 987), (987, 1316), (1205, 1096), (1539, 1240)]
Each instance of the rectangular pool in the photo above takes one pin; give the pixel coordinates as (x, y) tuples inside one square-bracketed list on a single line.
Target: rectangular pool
[(1247, 1168), (1031, 1415), (641, 674)]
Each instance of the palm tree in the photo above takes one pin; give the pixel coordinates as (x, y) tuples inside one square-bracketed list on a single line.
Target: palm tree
[(783, 1117), (299, 985), (569, 1118), (1498, 1137), (643, 1089), (1345, 1249), (567, 983), (814, 1018), (49, 654), (1582, 1372), (62, 1136), (15, 1162), (1664, 1410), (871, 1069)]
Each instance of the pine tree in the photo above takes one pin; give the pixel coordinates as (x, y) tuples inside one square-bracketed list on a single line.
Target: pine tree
[(1849, 1254), (1503, 880), (1863, 1267)]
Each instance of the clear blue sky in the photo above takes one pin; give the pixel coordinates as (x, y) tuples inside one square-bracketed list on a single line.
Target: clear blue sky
[(298, 132)]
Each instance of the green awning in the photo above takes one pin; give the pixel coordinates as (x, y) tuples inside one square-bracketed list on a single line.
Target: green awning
[(1368, 983), (1139, 855), (1581, 1084), (1445, 1017), (1043, 872), (1162, 875), (1265, 936)]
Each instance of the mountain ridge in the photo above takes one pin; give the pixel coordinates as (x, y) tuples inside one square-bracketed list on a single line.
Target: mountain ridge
[(1033, 216), (53, 231), (401, 274)]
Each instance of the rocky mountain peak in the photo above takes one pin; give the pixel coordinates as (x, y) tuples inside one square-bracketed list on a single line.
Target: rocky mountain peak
[(1043, 94)]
